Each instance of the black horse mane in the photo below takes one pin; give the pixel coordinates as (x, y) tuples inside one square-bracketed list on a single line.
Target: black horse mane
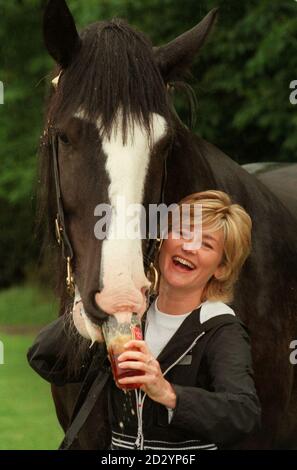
[(114, 69)]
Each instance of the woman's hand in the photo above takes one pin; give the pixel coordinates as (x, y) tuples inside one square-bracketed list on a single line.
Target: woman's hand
[(152, 382)]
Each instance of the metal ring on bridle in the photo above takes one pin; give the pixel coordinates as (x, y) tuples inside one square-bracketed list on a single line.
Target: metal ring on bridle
[(153, 276)]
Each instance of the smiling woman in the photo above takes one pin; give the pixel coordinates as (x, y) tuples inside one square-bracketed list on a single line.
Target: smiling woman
[(198, 379)]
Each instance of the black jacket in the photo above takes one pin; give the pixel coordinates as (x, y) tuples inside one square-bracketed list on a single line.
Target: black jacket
[(210, 368)]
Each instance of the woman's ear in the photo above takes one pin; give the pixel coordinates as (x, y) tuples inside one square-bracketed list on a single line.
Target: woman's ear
[(220, 271)]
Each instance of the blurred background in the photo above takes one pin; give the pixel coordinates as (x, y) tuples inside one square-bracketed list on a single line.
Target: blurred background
[(242, 82)]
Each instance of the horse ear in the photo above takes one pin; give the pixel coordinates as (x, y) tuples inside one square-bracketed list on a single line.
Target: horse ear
[(60, 34), (175, 57)]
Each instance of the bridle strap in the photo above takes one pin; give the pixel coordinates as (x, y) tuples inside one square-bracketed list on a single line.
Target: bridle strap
[(153, 245), (67, 250), (60, 227)]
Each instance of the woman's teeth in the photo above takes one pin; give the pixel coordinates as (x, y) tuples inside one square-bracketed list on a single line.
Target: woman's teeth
[(183, 262)]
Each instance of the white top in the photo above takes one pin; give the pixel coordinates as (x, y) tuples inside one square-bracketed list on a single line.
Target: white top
[(161, 326)]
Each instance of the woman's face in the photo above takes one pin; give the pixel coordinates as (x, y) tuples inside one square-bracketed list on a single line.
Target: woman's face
[(184, 266)]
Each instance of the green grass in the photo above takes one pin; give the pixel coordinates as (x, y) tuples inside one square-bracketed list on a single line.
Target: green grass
[(26, 305), (27, 416)]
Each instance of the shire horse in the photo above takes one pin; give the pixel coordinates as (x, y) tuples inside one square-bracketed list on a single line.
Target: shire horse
[(281, 179), (114, 125)]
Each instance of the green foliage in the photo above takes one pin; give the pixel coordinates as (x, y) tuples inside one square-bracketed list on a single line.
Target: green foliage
[(241, 79), (24, 65), (17, 245), (255, 62), (28, 420), (23, 68)]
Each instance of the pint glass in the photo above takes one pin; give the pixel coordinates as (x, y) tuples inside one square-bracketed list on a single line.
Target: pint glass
[(118, 329)]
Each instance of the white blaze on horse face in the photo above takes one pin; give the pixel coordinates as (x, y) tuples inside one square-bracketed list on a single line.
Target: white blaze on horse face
[(122, 274)]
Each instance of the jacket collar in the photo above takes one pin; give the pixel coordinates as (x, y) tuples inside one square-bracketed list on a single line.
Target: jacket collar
[(181, 340), (202, 319)]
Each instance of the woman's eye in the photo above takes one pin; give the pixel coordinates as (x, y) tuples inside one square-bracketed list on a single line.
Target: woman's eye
[(207, 245), (64, 139)]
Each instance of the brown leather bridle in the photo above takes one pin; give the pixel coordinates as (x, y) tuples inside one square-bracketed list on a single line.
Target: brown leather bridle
[(60, 227)]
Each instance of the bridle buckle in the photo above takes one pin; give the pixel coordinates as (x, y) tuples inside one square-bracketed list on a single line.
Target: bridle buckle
[(153, 277), (69, 278), (152, 273), (58, 230)]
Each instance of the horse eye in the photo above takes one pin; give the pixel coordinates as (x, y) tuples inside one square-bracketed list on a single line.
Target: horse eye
[(64, 139)]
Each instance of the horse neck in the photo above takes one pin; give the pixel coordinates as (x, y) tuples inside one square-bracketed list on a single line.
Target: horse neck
[(187, 168)]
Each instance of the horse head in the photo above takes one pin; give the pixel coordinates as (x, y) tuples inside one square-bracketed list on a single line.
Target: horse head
[(112, 124)]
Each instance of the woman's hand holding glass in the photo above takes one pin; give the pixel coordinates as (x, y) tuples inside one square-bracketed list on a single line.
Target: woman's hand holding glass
[(153, 383)]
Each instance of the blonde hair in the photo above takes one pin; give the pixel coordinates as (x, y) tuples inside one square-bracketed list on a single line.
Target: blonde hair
[(218, 212)]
